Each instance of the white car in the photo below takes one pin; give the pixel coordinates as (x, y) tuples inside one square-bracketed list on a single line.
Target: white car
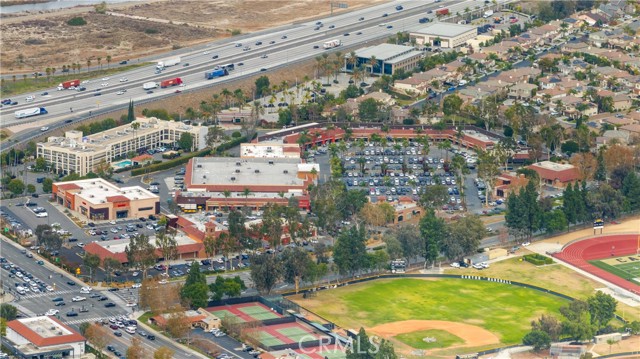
[(131, 304), (105, 79), (206, 53), (121, 92), (104, 84), (136, 285), (124, 79), (455, 265), (78, 299), (52, 312), (112, 222), (49, 288), (86, 289), (526, 244)]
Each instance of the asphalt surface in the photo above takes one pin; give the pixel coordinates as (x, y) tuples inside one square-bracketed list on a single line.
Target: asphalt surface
[(298, 45)]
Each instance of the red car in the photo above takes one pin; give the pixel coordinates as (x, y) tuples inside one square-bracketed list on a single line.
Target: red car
[(113, 326)]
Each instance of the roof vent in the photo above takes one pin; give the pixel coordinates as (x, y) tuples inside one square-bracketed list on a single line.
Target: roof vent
[(238, 164), (204, 176), (233, 178), (237, 171), (285, 171), (270, 162), (198, 166), (257, 171)]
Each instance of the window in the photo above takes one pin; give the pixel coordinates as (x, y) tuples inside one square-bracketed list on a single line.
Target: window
[(145, 209)]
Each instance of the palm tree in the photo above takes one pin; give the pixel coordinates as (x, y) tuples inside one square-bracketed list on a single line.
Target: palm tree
[(238, 95), (135, 126), (100, 62), (246, 192), (88, 64), (108, 60), (318, 65), (373, 62), (445, 146), (226, 193), (47, 71), (227, 95)]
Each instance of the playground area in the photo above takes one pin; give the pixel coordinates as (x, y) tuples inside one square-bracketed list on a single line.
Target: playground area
[(607, 257), (245, 312)]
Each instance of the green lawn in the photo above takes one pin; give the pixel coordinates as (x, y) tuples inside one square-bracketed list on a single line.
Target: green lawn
[(416, 340), (500, 308)]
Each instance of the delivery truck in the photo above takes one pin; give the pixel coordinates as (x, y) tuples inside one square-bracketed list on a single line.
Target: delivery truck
[(171, 82), (219, 72), (149, 85), (167, 63), (331, 44), (35, 111), (442, 12), (68, 84), (487, 14)]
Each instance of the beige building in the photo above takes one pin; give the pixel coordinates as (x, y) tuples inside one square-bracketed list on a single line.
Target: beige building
[(388, 59), (444, 34), (75, 153), (98, 199)]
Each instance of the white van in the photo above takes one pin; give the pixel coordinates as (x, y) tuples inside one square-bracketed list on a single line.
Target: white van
[(30, 98)]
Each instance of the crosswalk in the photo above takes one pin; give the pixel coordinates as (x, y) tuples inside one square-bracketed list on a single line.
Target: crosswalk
[(48, 294), (83, 320)]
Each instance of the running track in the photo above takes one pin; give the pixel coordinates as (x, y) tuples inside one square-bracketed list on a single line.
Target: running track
[(578, 253)]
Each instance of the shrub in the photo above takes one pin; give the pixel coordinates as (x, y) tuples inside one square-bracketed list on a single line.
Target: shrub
[(538, 259), (170, 164), (235, 32), (151, 31), (236, 134), (76, 21)]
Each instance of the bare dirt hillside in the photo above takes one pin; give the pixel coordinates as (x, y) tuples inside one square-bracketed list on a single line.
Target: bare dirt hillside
[(33, 42)]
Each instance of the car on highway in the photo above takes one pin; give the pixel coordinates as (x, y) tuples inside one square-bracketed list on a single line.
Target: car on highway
[(316, 46), (149, 92), (186, 64), (332, 26), (264, 56), (124, 79), (263, 69), (238, 45), (258, 43), (284, 37), (214, 57), (389, 26), (121, 92), (105, 79), (81, 88), (385, 15), (97, 93), (272, 42), (361, 19)]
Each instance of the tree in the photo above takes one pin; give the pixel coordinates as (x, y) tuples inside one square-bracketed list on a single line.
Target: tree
[(47, 185), (605, 202), (186, 141), (16, 186), (166, 242), (350, 251), (433, 231), (262, 86), (602, 308), (92, 261), (488, 169), (410, 241), (392, 246), (601, 170), (214, 134), (8, 311), (136, 349), (464, 237), (538, 339), (549, 325), (141, 254), (434, 196), (554, 221), (368, 109), (98, 336), (265, 272), (631, 190), (231, 287), (195, 290), (451, 105), (177, 325), (163, 353), (110, 265), (296, 264), (577, 323)]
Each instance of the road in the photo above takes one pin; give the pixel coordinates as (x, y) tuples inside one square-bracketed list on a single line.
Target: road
[(297, 46)]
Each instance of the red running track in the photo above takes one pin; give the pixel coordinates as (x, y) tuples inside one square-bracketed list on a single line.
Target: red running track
[(578, 253)]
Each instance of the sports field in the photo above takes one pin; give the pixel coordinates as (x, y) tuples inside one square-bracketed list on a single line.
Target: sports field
[(626, 267), (481, 314), (245, 312)]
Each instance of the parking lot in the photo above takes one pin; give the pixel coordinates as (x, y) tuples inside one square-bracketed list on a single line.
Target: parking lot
[(391, 171)]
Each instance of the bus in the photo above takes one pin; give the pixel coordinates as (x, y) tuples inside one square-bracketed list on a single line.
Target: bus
[(228, 67)]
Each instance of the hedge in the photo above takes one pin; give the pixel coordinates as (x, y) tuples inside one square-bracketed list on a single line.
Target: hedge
[(170, 164), (227, 145), (538, 259)]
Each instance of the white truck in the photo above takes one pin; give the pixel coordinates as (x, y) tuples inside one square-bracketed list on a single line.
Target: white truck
[(168, 62), (487, 14), (149, 85), (331, 44)]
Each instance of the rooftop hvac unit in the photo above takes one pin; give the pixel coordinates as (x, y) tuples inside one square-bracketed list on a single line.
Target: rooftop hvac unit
[(237, 171), (91, 196), (270, 162), (257, 171), (102, 201), (233, 178), (93, 182), (285, 171), (238, 164), (198, 166), (204, 176)]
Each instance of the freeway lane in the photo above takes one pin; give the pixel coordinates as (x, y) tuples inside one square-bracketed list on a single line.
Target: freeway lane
[(298, 46)]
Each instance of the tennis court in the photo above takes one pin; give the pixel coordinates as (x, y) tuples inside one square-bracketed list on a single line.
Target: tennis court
[(330, 351), (268, 340), (297, 334), (245, 312)]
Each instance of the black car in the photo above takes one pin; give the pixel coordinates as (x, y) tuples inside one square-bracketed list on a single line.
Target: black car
[(72, 314), (214, 57), (284, 37), (149, 92), (102, 298), (109, 305), (57, 299), (111, 348), (123, 62), (97, 94), (91, 224), (71, 283), (385, 15), (263, 69), (316, 46), (360, 19), (60, 304), (114, 289), (258, 43), (117, 333)]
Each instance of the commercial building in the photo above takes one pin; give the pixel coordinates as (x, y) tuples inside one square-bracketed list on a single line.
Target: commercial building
[(388, 59), (43, 337), (97, 199), (269, 150), (252, 182), (444, 34), (76, 153), (556, 174)]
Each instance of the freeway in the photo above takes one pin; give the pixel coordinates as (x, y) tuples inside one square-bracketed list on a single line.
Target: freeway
[(278, 48)]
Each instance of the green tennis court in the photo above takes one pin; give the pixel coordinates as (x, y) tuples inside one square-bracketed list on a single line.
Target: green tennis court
[(296, 334), (225, 313), (269, 340), (333, 354), (258, 312)]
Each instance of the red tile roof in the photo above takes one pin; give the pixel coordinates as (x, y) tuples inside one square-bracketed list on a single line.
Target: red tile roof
[(142, 158), (560, 175), (38, 340), (117, 198), (68, 186), (102, 252)]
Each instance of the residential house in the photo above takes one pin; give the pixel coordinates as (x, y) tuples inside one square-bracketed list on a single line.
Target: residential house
[(618, 122), (522, 91), (502, 49), (520, 75), (593, 19), (612, 136), (633, 129), (622, 102), (549, 82)]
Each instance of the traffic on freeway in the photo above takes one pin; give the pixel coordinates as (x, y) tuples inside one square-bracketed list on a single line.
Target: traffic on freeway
[(249, 55)]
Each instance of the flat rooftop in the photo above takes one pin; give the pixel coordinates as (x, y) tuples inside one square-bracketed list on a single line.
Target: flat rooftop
[(478, 136), (98, 191), (45, 327), (554, 166), (445, 29), (242, 171), (386, 52), (118, 246), (269, 150)]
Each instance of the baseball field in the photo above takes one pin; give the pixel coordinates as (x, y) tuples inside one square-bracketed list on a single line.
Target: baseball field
[(435, 314)]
